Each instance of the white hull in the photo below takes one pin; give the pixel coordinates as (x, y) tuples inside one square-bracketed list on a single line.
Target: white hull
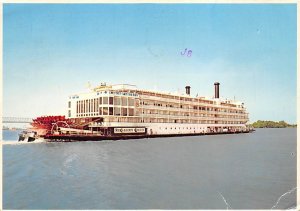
[(176, 128)]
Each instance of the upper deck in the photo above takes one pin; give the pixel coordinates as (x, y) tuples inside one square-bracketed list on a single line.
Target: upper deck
[(124, 100), (132, 90)]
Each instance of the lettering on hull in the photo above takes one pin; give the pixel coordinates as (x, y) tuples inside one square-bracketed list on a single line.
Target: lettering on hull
[(129, 130)]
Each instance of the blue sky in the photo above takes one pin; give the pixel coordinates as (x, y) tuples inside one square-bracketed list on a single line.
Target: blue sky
[(53, 50)]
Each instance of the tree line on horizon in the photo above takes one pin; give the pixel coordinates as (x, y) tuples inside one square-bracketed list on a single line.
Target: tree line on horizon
[(271, 124)]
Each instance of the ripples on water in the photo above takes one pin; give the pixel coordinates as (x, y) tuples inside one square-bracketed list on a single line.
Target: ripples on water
[(246, 171)]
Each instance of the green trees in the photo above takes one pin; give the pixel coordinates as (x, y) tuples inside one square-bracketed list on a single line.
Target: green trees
[(271, 124)]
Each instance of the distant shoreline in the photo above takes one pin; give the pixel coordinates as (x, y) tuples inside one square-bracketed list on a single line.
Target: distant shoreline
[(13, 129), (272, 124), (274, 127)]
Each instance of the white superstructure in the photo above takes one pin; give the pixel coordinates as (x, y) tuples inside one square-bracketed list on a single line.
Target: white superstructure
[(125, 105)]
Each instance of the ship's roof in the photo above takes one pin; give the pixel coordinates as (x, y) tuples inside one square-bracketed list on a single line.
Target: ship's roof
[(130, 87), (133, 88)]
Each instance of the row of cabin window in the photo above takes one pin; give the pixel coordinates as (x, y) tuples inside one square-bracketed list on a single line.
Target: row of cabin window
[(124, 101), (188, 114), (86, 106), (183, 128), (112, 111), (189, 121), (116, 111), (192, 107)]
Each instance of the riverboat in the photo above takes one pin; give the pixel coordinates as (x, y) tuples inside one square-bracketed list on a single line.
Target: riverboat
[(123, 111)]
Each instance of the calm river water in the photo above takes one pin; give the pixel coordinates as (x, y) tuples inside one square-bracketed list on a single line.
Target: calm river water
[(241, 171)]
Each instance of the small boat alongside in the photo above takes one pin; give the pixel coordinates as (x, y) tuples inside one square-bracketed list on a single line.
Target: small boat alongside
[(28, 136)]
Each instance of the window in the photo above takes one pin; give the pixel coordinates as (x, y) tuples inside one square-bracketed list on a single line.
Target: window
[(105, 100), (124, 111), (131, 112), (111, 100), (69, 104), (93, 105), (111, 111), (69, 113), (117, 101), (131, 102), (124, 101), (117, 111), (85, 105), (105, 111), (100, 100), (100, 111)]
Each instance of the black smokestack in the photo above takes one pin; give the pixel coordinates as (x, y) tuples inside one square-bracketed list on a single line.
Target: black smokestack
[(217, 91), (188, 90)]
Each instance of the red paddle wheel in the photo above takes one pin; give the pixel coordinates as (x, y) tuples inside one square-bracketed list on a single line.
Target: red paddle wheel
[(44, 124)]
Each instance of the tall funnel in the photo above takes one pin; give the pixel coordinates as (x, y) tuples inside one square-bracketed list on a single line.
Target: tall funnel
[(217, 91), (188, 90)]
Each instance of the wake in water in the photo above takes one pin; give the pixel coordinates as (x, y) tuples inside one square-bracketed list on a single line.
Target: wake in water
[(22, 142)]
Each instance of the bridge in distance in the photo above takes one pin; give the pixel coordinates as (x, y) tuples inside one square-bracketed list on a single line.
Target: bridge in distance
[(16, 120)]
